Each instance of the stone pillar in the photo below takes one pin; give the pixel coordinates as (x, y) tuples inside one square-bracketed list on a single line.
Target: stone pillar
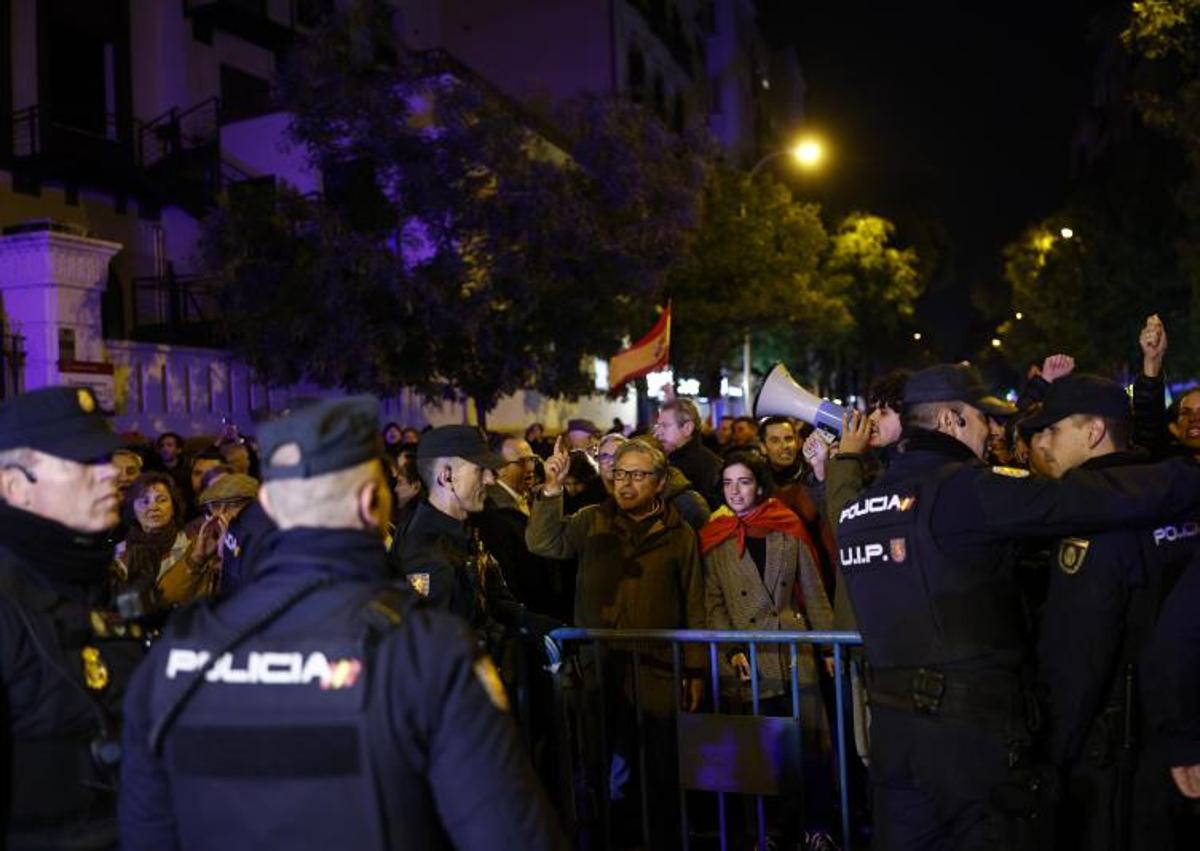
[(51, 281)]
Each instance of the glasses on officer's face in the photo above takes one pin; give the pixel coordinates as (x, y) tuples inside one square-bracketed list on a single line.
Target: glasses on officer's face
[(638, 476)]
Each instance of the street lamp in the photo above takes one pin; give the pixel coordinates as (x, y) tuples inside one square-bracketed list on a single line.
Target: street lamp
[(807, 152), (1066, 233)]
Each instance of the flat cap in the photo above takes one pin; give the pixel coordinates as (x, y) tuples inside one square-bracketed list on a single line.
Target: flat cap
[(582, 425), (324, 437), (459, 441), (62, 421), (954, 382), (230, 488), (1079, 393)]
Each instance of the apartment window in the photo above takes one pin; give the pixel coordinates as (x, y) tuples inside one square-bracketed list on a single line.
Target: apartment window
[(66, 345), (243, 95)]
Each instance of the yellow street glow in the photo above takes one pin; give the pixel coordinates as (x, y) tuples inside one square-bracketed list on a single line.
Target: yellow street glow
[(995, 342), (916, 335), (808, 152), (1020, 315), (1067, 233)]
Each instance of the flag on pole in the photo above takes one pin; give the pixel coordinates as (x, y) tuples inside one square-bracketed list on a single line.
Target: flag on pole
[(646, 355)]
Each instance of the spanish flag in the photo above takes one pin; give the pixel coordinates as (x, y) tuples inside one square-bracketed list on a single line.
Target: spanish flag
[(646, 355)]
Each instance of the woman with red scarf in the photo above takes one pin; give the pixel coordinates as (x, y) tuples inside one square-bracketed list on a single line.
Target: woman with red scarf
[(761, 573)]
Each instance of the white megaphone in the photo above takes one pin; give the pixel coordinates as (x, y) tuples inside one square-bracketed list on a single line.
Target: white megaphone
[(781, 395)]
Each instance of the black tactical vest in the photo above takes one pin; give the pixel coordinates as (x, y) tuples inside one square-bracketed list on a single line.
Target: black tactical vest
[(921, 602)]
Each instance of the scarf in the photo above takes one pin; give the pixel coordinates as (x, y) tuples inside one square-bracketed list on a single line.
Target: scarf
[(144, 552), (54, 553), (768, 516)]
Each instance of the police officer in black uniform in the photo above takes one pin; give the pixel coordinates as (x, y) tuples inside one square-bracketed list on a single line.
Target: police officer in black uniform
[(927, 556), (442, 556), (1103, 597), (1171, 690), (321, 707), (64, 659)]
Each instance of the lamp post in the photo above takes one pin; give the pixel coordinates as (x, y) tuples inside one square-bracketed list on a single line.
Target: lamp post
[(807, 152)]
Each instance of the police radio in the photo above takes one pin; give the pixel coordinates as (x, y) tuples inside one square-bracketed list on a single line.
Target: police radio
[(782, 395)]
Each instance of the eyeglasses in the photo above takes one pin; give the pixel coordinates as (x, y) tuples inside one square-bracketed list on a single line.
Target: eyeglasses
[(631, 475)]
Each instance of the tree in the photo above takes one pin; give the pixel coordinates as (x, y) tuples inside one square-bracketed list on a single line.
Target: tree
[(456, 249), (879, 284), (753, 267)]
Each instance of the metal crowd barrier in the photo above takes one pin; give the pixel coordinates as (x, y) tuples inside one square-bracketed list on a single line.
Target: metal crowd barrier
[(726, 741)]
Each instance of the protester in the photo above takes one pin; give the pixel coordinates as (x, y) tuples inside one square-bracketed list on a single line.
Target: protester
[(745, 434), (230, 502), (582, 434), (677, 427), (761, 573), (157, 556), (407, 492), (659, 585)]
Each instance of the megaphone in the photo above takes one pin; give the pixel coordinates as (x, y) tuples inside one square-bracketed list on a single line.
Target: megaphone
[(781, 395)]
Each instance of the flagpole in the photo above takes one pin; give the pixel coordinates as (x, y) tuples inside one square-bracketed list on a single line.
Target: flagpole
[(746, 375)]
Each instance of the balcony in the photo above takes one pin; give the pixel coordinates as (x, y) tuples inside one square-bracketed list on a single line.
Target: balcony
[(176, 309), (271, 24), (97, 153)]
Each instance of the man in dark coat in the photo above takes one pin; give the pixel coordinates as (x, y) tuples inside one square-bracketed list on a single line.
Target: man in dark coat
[(678, 429)]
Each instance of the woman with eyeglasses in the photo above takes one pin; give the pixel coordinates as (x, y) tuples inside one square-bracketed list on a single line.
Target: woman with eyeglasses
[(761, 574)]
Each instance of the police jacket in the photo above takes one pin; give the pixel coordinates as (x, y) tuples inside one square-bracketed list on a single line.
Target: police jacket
[(444, 560), (1170, 684), (248, 530), (64, 665), (927, 551), (324, 729), (1102, 599)]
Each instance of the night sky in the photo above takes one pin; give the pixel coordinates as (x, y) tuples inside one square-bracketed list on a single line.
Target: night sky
[(953, 119)]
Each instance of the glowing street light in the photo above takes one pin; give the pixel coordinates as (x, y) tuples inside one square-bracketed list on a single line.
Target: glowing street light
[(1067, 233), (917, 336), (807, 152), (996, 342), (1020, 315)]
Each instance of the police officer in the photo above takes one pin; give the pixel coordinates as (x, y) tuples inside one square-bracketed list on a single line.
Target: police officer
[(319, 707), (1103, 596), (442, 556), (1171, 690), (64, 661), (927, 555)]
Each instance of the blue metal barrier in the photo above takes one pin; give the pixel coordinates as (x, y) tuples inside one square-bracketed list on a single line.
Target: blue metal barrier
[(565, 645)]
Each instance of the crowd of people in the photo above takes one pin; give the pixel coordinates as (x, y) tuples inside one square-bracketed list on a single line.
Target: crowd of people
[(1020, 575)]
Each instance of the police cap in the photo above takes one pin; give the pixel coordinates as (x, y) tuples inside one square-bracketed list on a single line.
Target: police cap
[(954, 382), (458, 441), (582, 425), (1079, 393), (65, 422), (328, 436)]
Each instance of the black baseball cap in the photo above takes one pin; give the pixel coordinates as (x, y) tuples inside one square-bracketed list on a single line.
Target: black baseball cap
[(459, 441), (954, 382), (331, 435), (1079, 393), (65, 422)]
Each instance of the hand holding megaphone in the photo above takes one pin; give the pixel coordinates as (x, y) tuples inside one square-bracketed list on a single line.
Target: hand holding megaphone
[(782, 395)]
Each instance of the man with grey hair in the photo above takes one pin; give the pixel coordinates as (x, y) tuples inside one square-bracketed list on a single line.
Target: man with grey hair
[(639, 568), (63, 670), (678, 429), (322, 706)]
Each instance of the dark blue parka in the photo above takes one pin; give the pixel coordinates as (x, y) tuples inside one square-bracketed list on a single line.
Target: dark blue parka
[(319, 733)]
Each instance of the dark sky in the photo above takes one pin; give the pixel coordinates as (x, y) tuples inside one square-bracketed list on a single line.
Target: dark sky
[(954, 113)]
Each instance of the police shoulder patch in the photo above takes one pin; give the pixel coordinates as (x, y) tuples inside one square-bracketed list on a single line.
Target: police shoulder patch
[(1011, 472), (419, 583), (1071, 553), (95, 671), (489, 678)]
